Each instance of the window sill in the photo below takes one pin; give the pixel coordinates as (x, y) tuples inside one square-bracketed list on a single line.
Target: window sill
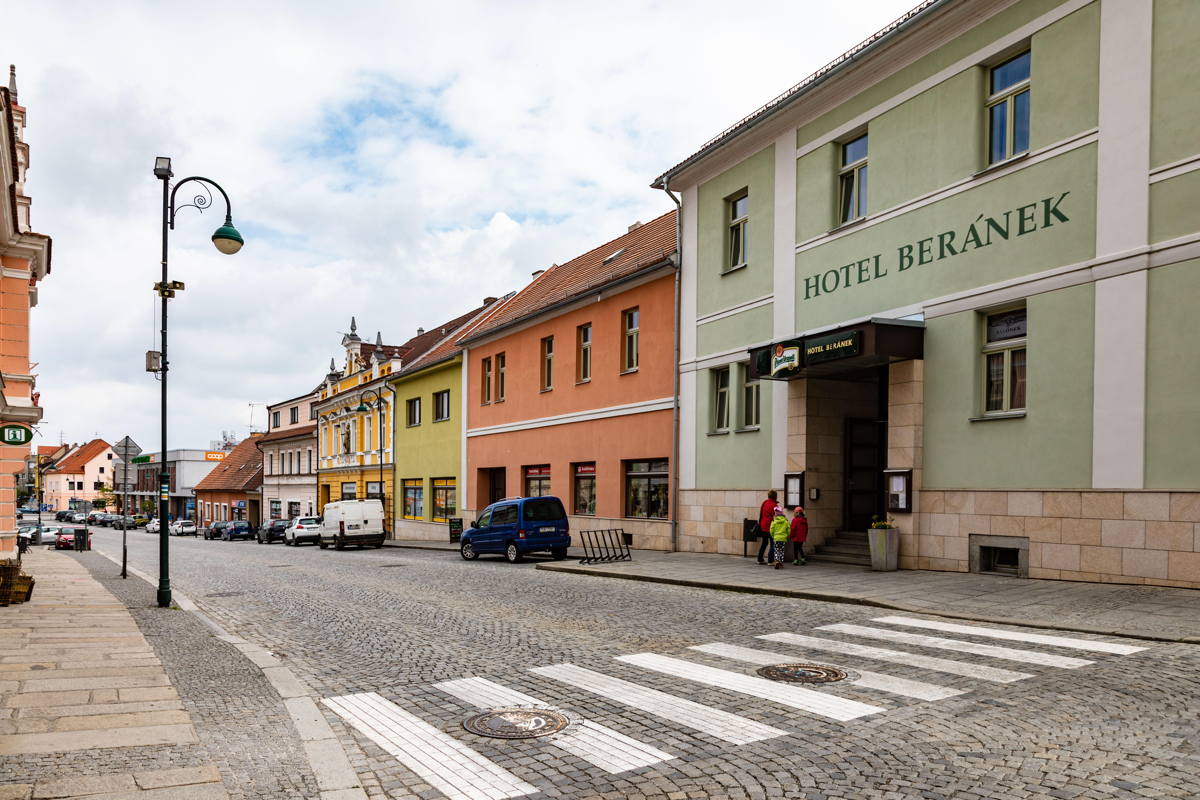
[(629, 371), (547, 389), (732, 270), (1001, 164), (998, 415), (582, 382), (724, 432), (446, 419), (413, 425), (850, 223), (747, 429)]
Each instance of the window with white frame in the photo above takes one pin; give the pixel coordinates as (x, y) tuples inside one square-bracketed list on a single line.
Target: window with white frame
[(1004, 361), (547, 363), (631, 322), (500, 360), (852, 180), (294, 415), (1008, 109), (750, 398), (738, 210), (583, 353), (485, 381), (441, 406), (720, 419), (414, 411), (274, 419)]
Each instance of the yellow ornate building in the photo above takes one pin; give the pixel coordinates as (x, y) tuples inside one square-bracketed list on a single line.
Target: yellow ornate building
[(355, 415)]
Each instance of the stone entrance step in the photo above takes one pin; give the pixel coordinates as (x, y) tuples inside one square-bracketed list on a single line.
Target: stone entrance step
[(845, 547)]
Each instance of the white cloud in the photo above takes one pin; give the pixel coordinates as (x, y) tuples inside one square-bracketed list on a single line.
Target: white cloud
[(392, 160)]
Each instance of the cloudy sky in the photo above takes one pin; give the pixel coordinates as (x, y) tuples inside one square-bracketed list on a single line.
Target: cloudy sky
[(397, 161)]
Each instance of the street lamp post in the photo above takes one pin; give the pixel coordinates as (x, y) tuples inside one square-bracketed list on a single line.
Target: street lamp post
[(363, 407), (228, 241)]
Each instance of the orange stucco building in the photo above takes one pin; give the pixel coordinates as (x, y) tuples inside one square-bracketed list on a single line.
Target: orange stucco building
[(569, 389), (24, 260)]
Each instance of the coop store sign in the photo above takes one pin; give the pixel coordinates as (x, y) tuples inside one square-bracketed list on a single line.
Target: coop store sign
[(984, 231)]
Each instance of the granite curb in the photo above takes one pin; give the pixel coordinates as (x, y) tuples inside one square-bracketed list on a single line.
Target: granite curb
[(853, 599), (329, 762)]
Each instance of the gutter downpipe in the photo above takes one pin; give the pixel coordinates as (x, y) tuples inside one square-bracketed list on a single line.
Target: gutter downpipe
[(387, 384), (678, 259)]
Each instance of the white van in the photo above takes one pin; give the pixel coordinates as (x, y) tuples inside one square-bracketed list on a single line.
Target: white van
[(357, 522)]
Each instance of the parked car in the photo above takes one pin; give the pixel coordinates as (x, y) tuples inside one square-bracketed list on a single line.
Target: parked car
[(303, 529), (238, 529), (63, 516), (347, 522), (516, 527), (183, 527), (34, 533), (65, 539), (140, 520), (111, 520), (272, 531), (216, 530), (94, 517), (79, 517)]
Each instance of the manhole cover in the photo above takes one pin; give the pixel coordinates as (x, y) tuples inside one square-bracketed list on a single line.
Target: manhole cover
[(225, 594), (805, 673), (516, 723)]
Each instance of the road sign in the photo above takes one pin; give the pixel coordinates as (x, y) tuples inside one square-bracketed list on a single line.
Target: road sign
[(15, 434), (128, 448)]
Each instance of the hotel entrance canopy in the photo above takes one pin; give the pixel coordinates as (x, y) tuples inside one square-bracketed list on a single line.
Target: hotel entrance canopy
[(844, 350)]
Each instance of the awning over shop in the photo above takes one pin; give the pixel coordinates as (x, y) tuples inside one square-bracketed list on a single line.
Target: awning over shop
[(845, 350)]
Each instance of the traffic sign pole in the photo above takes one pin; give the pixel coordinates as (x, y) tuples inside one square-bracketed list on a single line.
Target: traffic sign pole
[(129, 450)]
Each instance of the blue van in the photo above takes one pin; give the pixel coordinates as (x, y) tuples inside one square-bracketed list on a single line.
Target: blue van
[(516, 526)]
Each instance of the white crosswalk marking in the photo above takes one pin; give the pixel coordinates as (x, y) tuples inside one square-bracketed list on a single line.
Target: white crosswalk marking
[(869, 680), (598, 745), (1014, 636), (819, 703), (716, 723), (437, 758), (938, 643), (899, 657)]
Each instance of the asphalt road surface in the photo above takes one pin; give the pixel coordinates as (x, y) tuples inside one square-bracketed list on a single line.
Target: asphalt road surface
[(659, 686)]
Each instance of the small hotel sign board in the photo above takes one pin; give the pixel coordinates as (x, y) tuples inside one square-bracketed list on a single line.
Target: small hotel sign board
[(833, 347), (15, 434)]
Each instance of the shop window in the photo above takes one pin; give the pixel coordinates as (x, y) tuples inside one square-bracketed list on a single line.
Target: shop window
[(1004, 361), (585, 488), (720, 420), (445, 499), (583, 353), (537, 480), (547, 363), (1008, 109), (852, 180), (349, 491), (414, 498), (750, 399), (441, 406), (738, 210), (276, 508), (500, 361), (647, 491), (631, 321), (485, 381), (414, 412), (293, 509)]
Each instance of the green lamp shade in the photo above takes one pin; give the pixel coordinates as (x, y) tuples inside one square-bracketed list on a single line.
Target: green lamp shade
[(362, 407), (227, 239)]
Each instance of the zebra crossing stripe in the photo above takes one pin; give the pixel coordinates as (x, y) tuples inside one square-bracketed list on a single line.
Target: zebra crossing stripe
[(1014, 636), (938, 643), (819, 703), (437, 758), (714, 722), (899, 657), (869, 680), (594, 743)]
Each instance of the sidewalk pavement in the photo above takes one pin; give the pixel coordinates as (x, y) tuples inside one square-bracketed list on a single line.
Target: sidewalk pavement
[(77, 675), (1147, 612)]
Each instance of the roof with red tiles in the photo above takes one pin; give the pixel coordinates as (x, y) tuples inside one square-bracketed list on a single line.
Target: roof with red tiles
[(646, 246), (240, 471), (287, 433), (81, 456), (452, 331), (48, 449)]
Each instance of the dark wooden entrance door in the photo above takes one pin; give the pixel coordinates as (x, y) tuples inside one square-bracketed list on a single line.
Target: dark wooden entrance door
[(496, 484), (866, 456)]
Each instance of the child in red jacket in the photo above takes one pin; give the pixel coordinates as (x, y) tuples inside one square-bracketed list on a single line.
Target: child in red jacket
[(799, 534)]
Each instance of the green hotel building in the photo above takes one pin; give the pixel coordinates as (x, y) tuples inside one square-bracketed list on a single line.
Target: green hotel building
[(951, 280)]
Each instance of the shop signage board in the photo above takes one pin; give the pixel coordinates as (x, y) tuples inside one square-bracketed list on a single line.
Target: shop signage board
[(214, 455), (456, 528), (832, 347)]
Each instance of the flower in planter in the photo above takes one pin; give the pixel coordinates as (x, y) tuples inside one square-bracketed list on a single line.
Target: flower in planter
[(882, 524)]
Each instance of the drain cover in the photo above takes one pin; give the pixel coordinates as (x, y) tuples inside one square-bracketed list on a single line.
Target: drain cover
[(225, 594), (805, 673), (516, 723)]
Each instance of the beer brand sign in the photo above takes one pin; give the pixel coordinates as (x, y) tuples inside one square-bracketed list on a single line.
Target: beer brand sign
[(785, 357)]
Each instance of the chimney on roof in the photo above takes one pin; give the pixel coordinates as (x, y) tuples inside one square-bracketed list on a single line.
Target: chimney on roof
[(537, 272), (12, 81), (637, 224), (487, 301), (420, 331)]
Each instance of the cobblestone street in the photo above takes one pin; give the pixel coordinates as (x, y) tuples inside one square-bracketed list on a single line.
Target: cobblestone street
[(663, 697)]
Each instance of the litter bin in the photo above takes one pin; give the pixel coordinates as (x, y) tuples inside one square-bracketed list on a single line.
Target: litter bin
[(885, 548)]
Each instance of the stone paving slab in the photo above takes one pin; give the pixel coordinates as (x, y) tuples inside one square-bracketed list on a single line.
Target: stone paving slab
[(1149, 612)]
